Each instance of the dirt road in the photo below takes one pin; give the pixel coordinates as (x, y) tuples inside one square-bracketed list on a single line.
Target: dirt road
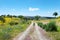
[(33, 32)]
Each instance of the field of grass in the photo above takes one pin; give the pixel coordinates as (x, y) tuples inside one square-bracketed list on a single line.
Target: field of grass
[(14, 26), (53, 35), (58, 28), (7, 31)]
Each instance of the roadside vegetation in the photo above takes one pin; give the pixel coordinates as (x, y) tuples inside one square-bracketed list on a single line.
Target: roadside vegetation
[(52, 27), (10, 26)]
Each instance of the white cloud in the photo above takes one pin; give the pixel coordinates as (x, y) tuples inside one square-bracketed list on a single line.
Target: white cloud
[(33, 9)]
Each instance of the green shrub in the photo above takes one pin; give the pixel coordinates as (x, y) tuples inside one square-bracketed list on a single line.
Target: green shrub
[(16, 23), (2, 19), (51, 26), (40, 24), (44, 26), (13, 23)]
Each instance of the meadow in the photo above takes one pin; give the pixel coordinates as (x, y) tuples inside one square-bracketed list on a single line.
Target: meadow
[(55, 35), (12, 27)]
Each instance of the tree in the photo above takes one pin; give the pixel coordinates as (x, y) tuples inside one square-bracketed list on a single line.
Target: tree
[(20, 16), (10, 16), (2, 19), (37, 17), (55, 14), (3, 15), (14, 16)]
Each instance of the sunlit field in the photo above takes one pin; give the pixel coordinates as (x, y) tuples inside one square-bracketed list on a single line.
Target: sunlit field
[(12, 27), (29, 19), (55, 35)]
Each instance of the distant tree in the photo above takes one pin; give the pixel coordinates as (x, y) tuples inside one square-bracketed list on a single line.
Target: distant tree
[(14, 16), (25, 18), (13, 23), (20, 16), (37, 17), (2, 19), (55, 14), (3, 15), (9, 16)]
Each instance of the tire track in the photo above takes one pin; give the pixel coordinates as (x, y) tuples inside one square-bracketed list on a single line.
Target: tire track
[(33, 32)]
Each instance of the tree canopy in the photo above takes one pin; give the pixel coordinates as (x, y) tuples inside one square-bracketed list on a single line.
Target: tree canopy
[(55, 14)]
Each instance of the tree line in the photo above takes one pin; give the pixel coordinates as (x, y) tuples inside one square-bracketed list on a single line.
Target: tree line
[(23, 17)]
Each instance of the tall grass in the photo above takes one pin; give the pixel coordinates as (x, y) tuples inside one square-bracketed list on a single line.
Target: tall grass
[(54, 35), (7, 31), (51, 26), (52, 29)]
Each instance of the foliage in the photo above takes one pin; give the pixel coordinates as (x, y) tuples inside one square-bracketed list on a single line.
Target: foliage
[(20, 16), (12, 26), (7, 32), (13, 23), (37, 17), (55, 13), (14, 16), (40, 24), (7, 20), (6, 36), (2, 19), (3, 16), (51, 26), (54, 35), (10, 16), (58, 28)]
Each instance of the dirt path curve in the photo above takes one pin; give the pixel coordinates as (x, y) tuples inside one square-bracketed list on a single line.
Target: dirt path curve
[(33, 32)]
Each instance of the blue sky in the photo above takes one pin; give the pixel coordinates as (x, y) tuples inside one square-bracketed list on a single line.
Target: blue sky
[(29, 7)]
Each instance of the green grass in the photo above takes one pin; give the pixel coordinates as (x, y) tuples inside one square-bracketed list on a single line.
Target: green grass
[(54, 35), (58, 28), (7, 32)]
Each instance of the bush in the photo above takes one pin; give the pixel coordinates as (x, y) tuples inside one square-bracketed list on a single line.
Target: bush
[(40, 24), (2, 19), (44, 26), (16, 23), (23, 22), (51, 26), (13, 23)]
